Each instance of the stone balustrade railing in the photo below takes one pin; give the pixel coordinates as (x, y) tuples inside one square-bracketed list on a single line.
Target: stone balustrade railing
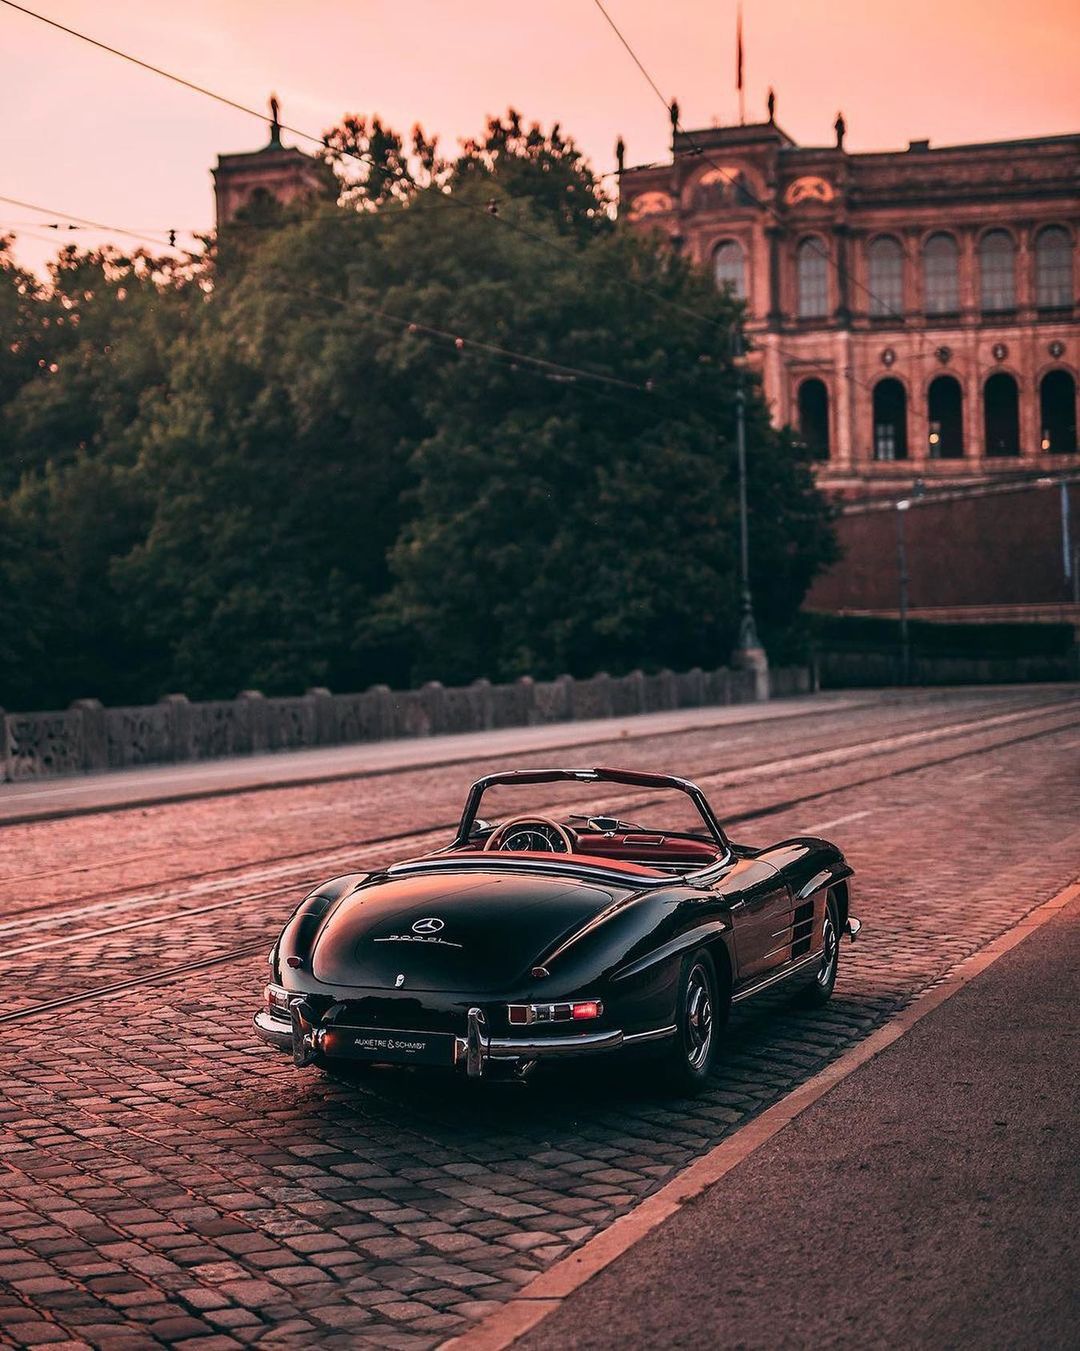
[(88, 736)]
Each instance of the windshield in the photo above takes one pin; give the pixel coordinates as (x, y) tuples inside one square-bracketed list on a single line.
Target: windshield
[(590, 804)]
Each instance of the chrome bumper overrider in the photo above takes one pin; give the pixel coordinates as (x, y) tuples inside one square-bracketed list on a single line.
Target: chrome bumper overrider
[(274, 1030), (476, 1049)]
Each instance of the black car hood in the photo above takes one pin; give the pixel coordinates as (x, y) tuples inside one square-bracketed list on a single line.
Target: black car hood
[(494, 927)]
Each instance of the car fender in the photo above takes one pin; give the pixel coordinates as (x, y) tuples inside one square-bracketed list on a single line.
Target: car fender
[(302, 926), (809, 865)]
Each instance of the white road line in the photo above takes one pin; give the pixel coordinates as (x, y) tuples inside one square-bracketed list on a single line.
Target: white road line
[(838, 821)]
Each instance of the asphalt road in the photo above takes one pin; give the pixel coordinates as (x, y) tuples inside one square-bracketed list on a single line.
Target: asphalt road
[(930, 1200)]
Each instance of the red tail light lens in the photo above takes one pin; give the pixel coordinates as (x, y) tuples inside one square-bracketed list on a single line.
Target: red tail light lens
[(589, 1009)]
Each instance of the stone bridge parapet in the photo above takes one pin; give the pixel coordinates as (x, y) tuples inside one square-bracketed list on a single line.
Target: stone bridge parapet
[(89, 737)]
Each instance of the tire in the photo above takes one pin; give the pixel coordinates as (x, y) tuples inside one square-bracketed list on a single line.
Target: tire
[(701, 1012), (819, 991)]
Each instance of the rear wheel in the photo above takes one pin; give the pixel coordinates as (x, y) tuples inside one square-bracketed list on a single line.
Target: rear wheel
[(820, 989), (701, 1012)]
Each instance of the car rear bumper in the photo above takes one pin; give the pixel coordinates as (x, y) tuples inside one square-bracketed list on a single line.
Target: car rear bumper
[(472, 1053)]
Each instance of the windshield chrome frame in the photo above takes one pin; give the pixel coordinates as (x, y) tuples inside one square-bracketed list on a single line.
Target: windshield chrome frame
[(625, 777)]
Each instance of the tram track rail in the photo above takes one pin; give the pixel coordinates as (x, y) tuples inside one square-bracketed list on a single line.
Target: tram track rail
[(320, 861), (1046, 702), (164, 975), (719, 778)]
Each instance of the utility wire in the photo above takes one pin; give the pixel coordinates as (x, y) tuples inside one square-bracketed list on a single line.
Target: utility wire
[(400, 174), (461, 343), (700, 150), (79, 220), (344, 215)]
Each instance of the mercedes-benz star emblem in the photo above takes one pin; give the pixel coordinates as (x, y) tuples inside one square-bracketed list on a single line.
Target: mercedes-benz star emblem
[(428, 926)]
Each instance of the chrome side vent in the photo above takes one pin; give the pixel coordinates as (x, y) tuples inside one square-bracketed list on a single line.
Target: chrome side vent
[(802, 929)]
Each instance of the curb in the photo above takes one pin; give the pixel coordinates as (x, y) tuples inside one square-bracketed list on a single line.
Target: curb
[(543, 1295)]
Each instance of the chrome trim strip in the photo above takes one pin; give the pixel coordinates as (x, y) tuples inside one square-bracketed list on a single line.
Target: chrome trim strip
[(781, 975), (815, 884), (654, 1034), (537, 1048), (704, 934)]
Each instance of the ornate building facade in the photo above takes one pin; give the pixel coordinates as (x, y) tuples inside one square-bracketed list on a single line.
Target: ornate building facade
[(914, 313)]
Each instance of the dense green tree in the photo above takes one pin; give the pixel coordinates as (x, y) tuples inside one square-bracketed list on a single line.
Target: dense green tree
[(300, 461), (544, 168)]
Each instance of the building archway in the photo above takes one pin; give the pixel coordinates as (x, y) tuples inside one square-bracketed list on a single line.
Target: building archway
[(945, 414), (1057, 412), (1001, 414), (890, 420), (814, 417)]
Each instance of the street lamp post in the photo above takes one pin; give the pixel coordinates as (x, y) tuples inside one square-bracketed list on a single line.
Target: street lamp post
[(748, 655), (901, 564)]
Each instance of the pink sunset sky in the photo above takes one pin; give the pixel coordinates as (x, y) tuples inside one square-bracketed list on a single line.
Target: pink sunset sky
[(86, 134)]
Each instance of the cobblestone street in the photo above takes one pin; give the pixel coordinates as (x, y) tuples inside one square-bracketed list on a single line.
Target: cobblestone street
[(167, 1179)]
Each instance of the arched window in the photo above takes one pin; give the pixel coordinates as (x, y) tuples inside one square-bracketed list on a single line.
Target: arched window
[(1057, 412), (997, 270), (941, 275), (1053, 268), (1001, 413), (812, 269), (814, 417), (886, 278), (890, 420), (729, 268), (945, 413)]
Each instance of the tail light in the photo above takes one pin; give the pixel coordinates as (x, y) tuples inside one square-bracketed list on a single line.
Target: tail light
[(277, 1000), (522, 1014)]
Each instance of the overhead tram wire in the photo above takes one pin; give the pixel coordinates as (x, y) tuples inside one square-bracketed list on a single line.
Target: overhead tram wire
[(400, 174), (457, 202), (345, 215), (461, 343), (82, 221)]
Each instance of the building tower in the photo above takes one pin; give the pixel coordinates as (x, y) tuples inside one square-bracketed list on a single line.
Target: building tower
[(277, 171)]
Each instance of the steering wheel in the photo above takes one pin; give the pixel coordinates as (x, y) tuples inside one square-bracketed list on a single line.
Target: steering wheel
[(521, 832)]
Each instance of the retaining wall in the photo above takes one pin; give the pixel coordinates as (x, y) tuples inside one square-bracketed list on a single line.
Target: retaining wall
[(874, 670), (88, 737)]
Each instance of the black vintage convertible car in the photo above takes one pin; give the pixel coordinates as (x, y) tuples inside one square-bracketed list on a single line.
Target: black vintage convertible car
[(597, 910)]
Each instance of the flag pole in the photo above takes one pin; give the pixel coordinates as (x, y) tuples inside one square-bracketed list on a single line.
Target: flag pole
[(739, 68)]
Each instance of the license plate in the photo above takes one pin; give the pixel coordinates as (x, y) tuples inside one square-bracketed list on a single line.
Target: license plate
[(393, 1048)]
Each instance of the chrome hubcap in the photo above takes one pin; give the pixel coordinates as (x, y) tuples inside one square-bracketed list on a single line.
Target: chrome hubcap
[(699, 1018), (829, 950)]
